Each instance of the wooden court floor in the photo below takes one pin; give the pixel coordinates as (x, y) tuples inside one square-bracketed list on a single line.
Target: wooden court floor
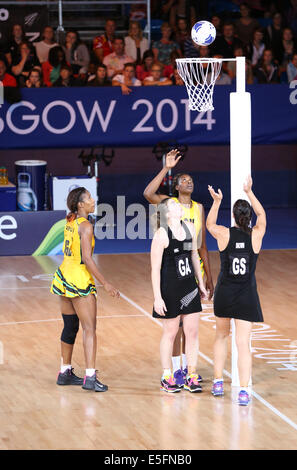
[(134, 414)]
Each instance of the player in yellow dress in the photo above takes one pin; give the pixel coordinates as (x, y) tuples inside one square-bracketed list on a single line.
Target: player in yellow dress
[(74, 283), (183, 187)]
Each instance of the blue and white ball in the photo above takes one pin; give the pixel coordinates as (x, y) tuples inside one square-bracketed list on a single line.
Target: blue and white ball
[(203, 33)]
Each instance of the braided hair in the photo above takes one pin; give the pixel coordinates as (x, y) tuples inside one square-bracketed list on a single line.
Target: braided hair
[(242, 212), (74, 197), (175, 183)]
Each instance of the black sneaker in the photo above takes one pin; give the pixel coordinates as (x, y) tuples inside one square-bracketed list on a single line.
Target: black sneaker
[(92, 383), (69, 378), (192, 384)]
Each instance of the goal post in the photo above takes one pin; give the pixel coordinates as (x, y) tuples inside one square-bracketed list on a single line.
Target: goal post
[(199, 76), (240, 163)]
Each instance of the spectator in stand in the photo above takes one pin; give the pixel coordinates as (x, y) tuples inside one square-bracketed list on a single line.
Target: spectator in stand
[(12, 48), (135, 43), (182, 33), (257, 7), (245, 25), (184, 9), (231, 67), (163, 9), (100, 78), (42, 47), (163, 48), (76, 53), (267, 70), (226, 44), (256, 48), (191, 49), (156, 77), (144, 69), (24, 61), (116, 60), (291, 16), (126, 79), (216, 21), (169, 69), (34, 79), (176, 79), (103, 45), (288, 48), (292, 69), (51, 68), (66, 78), (274, 34), (249, 74), (6, 79), (223, 77)]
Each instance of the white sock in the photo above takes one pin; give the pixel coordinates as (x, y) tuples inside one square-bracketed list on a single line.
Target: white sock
[(218, 380), (64, 367), (184, 361), (245, 389), (175, 363), (90, 372), (166, 373)]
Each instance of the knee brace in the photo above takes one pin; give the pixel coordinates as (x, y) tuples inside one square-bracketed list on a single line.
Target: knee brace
[(71, 326)]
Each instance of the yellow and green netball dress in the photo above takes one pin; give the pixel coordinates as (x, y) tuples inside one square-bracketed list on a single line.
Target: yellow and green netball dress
[(72, 279), (193, 214)]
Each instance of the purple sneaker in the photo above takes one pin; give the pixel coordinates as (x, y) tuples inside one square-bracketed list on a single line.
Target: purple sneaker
[(218, 389), (185, 372), (179, 378), (243, 398)]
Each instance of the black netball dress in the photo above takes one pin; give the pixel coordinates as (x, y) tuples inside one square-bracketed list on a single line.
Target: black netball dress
[(236, 293), (179, 288)]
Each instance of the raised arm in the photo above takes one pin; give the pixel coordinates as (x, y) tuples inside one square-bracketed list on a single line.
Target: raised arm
[(86, 233), (203, 253), (256, 205), (150, 192), (219, 232), (260, 227)]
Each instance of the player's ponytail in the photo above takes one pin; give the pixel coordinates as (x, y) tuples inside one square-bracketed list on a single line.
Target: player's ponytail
[(74, 197), (242, 212)]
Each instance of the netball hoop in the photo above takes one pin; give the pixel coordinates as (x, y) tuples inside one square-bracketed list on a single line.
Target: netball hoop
[(199, 76)]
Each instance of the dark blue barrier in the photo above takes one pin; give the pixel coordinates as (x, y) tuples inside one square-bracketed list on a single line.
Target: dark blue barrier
[(88, 117)]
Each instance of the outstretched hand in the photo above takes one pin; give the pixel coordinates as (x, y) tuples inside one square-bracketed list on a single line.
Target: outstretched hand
[(247, 187), (172, 158), (216, 196)]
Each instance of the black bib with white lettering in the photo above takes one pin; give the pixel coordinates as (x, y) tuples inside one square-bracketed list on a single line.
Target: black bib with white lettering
[(236, 293), (179, 288), (184, 267)]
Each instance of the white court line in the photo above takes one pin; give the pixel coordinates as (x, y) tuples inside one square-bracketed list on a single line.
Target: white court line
[(158, 322), (207, 359), (61, 319)]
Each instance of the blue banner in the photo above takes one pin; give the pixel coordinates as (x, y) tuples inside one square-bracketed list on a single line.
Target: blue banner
[(90, 117), (31, 233)]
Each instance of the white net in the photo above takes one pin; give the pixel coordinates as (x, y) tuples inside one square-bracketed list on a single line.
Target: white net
[(199, 76)]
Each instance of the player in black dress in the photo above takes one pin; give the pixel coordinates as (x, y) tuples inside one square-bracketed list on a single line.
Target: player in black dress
[(236, 290), (175, 264)]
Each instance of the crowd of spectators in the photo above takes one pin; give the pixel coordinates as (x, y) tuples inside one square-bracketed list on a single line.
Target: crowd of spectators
[(128, 61)]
